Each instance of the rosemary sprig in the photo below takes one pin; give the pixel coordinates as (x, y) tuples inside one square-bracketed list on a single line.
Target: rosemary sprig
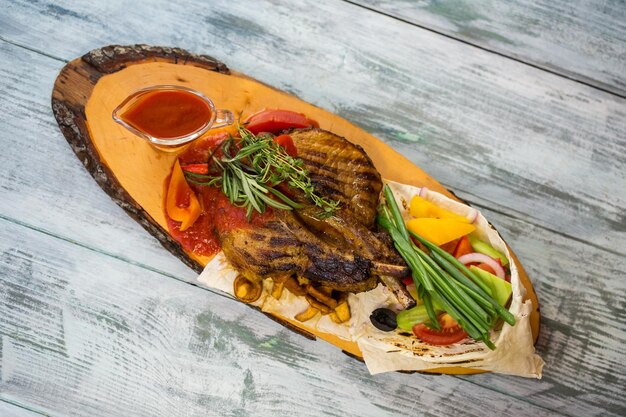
[(249, 170)]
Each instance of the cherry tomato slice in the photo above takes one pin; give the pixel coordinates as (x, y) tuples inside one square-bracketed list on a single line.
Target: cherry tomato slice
[(450, 332), (276, 120), (286, 142)]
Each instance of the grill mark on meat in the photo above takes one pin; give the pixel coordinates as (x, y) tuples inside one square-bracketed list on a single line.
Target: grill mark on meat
[(286, 241), (337, 180), (257, 236), (316, 154), (327, 190), (367, 176), (275, 226), (272, 255), (312, 248), (342, 162), (286, 267), (360, 162), (317, 165), (357, 185)]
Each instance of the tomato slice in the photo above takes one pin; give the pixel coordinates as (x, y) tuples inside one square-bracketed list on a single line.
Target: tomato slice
[(286, 142), (450, 332), (450, 246), (276, 120), (487, 268), (196, 168), (463, 247)]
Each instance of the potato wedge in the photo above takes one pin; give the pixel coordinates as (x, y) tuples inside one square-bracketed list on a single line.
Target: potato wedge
[(343, 312), (246, 290), (277, 289), (292, 285), (323, 308), (307, 314), (322, 296), (334, 317)]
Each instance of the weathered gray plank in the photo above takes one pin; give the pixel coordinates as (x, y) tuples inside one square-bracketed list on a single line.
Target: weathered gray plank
[(530, 144), (580, 39), (85, 334), (11, 410)]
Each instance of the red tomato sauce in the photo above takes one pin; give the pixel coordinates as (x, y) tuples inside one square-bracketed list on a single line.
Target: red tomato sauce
[(218, 215), (168, 114)]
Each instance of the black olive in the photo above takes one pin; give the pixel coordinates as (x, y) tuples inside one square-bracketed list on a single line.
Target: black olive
[(384, 319)]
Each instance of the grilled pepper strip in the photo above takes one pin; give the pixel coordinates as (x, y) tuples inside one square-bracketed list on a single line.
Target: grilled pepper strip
[(181, 202)]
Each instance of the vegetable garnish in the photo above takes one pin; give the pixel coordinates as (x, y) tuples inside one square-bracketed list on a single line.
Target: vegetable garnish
[(476, 257), (442, 281), (277, 120), (450, 332), (181, 203), (249, 169)]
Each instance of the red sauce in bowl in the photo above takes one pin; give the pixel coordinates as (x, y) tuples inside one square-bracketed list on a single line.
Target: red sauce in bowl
[(168, 114)]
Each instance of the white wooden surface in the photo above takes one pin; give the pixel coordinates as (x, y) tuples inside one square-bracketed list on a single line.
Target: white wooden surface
[(582, 40), (97, 319)]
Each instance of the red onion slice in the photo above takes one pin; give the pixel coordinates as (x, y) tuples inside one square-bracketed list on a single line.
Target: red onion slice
[(423, 192), (481, 258)]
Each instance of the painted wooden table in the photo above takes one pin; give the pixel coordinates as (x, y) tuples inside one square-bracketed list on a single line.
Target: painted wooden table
[(517, 106)]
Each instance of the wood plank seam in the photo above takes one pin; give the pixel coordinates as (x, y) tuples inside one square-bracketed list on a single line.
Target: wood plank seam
[(24, 407), (37, 51), (589, 82)]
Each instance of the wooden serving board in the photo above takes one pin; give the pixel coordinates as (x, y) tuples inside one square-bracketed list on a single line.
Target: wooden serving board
[(132, 172)]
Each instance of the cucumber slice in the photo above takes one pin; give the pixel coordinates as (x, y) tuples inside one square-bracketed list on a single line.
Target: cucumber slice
[(408, 318), (500, 289), (482, 247)]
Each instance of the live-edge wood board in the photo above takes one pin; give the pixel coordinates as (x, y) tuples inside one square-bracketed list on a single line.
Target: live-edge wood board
[(132, 172)]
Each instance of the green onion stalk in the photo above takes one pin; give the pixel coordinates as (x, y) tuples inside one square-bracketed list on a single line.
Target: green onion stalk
[(440, 279)]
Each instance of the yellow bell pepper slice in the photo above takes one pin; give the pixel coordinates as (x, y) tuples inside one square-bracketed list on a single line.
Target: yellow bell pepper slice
[(439, 231), (421, 207), (181, 202)]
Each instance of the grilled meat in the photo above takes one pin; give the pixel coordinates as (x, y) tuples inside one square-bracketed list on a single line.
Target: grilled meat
[(285, 246), (341, 171), (341, 252)]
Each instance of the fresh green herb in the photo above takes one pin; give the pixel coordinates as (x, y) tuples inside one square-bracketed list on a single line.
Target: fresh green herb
[(442, 280), (249, 169)]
